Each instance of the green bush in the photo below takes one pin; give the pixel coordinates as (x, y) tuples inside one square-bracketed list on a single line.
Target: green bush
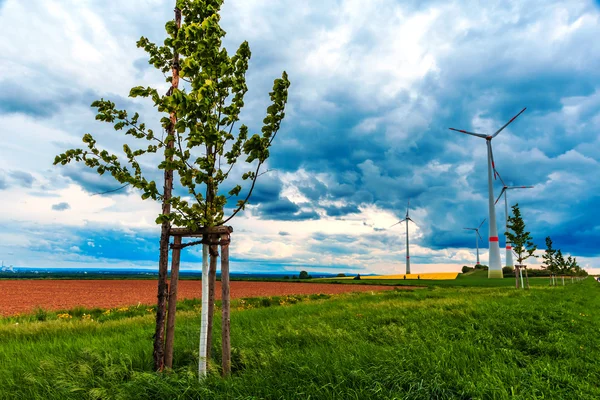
[(40, 314)]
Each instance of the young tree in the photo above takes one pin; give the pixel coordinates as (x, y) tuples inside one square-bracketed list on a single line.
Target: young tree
[(203, 139), (549, 258), (575, 268), (522, 241), (561, 263), (568, 270)]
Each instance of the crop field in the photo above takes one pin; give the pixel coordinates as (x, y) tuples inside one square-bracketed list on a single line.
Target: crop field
[(22, 296), (442, 342), (427, 275), (470, 279)]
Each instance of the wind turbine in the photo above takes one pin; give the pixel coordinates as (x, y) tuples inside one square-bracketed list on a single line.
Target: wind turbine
[(477, 237), (495, 264), (509, 259), (407, 218)]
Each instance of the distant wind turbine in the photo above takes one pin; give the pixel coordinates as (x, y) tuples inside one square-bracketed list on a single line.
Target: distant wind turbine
[(509, 259), (407, 218), (477, 237), (495, 264)]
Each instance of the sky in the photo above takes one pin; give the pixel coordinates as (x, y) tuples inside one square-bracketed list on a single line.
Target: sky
[(374, 88)]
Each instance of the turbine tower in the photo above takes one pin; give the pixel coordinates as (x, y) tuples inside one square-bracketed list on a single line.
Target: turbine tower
[(509, 258), (477, 237), (495, 264), (407, 218)]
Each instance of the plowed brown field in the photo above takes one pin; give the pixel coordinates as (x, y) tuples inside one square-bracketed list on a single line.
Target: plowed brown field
[(22, 296)]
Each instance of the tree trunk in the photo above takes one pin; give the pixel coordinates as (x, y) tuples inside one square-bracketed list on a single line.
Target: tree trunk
[(521, 278), (170, 337), (527, 278), (203, 352), (212, 281), (516, 277), (225, 338)]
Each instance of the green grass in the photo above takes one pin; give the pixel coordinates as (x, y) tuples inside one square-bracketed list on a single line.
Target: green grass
[(488, 343), (470, 279)]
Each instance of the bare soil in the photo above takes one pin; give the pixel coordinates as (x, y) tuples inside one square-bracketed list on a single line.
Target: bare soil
[(23, 296)]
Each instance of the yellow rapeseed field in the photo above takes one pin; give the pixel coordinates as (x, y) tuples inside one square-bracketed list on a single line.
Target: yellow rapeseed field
[(432, 275)]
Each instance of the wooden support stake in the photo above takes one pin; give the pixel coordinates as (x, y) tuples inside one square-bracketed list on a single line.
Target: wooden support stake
[(213, 251), (163, 261), (170, 336), (225, 338)]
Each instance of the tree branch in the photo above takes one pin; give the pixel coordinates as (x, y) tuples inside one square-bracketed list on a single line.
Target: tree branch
[(256, 175)]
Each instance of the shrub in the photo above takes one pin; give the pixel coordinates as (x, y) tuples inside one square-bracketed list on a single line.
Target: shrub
[(41, 314)]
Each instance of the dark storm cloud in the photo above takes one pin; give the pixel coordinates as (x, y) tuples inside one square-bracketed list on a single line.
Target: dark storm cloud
[(388, 173), (285, 210), (341, 211), (268, 188)]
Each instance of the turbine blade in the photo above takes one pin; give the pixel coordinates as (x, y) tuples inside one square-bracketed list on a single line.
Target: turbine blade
[(469, 133), (501, 193), (520, 187), (470, 229), (481, 223), (511, 120), (479, 234), (501, 180), (408, 219), (493, 162), (399, 222)]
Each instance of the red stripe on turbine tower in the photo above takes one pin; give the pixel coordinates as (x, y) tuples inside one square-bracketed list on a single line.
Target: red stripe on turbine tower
[(493, 238), (508, 248)]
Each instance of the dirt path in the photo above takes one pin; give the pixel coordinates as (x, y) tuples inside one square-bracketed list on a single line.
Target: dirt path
[(22, 296)]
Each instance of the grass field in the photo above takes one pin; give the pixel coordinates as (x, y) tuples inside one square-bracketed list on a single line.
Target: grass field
[(478, 342)]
